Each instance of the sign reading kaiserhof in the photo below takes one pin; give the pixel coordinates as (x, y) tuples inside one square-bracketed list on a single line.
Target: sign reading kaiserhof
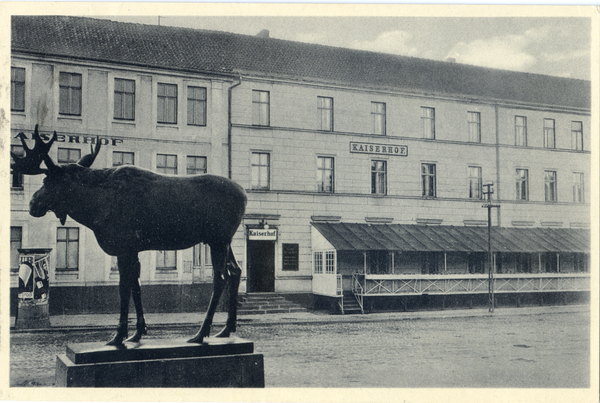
[(262, 234), (380, 149)]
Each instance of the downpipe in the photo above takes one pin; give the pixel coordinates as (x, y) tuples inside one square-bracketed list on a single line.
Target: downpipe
[(230, 126)]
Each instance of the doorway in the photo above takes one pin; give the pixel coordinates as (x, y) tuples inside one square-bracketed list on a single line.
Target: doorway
[(261, 266)]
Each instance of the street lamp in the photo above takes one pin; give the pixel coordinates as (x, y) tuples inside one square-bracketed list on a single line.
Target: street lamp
[(489, 191)]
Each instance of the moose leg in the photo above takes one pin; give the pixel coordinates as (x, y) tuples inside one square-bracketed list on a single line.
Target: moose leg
[(136, 294), (234, 282), (124, 294), (218, 254)]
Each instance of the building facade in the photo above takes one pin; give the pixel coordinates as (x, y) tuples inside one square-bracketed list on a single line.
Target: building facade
[(364, 172)]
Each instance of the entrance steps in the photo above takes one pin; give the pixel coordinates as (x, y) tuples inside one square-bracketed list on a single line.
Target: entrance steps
[(350, 304), (265, 303)]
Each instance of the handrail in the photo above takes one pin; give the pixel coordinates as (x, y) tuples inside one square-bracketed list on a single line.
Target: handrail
[(358, 290), (340, 292)]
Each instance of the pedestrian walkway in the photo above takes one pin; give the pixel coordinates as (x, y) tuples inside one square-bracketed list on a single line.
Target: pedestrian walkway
[(157, 320)]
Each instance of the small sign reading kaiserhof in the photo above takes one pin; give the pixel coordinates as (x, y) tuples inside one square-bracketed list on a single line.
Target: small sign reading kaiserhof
[(381, 149)]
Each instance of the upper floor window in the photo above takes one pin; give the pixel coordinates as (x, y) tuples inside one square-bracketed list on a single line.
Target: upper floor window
[(16, 177), (67, 249), (196, 106), (122, 158), (549, 136), (550, 186), (69, 94), (578, 195), (474, 121), (428, 180), (577, 135), (325, 107), (428, 122), (522, 184), (325, 174), (260, 163), (260, 108), (475, 189), (166, 164), (124, 99), (167, 103), (16, 241), (378, 117), (379, 177), (520, 131), (68, 155), (196, 165), (17, 89)]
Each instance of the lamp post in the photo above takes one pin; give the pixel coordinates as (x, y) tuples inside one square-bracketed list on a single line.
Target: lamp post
[(489, 191)]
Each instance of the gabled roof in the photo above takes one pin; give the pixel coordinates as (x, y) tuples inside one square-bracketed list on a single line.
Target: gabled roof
[(445, 238), (201, 51)]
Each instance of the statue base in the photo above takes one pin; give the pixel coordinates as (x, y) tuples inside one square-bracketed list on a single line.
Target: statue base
[(217, 363)]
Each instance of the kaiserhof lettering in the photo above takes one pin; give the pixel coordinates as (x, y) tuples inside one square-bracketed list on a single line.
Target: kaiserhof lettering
[(381, 149)]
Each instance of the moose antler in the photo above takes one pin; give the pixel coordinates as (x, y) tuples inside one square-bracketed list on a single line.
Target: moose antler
[(30, 163), (88, 160)]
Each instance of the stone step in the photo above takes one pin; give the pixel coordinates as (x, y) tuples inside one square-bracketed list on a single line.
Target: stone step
[(270, 310), (265, 303)]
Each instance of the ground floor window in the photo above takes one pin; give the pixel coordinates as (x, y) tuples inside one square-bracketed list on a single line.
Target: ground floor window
[(67, 249), (324, 262), (580, 262), (166, 260), (16, 240), (476, 263), (430, 263)]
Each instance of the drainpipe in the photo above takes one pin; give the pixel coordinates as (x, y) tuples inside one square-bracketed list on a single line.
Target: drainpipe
[(229, 125)]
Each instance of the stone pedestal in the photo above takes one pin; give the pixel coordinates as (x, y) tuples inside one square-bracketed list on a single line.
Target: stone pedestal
[(33, 315), (218, 363)]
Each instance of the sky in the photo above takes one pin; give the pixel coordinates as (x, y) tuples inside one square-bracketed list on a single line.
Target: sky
[(554, 46)]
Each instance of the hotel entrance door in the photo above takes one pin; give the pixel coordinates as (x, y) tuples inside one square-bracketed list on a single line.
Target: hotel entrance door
[(261, 266)]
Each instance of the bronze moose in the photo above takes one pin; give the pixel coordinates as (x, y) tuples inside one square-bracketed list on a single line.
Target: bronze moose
[(130, 210)]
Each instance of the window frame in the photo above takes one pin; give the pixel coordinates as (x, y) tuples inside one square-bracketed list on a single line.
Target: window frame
[(196, 104), (428, 180), (578, 187), (121, 93), (378, 118), (549, 133), (256, 171), (379, 178), (428, 122), (479, 182), (165, 168), (195, 170), (261, 109), (166, 101), (164, 257), (577, 136), (550, 186), (17, 179), (69, 159), (122, 154), (474, 126), (69, 244), (522, 184), (70, 93), (520, 135), (16, 243), (325, 113), (17, 84), (322, 169)]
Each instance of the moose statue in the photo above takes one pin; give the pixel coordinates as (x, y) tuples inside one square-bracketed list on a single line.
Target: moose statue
[(131, 210)]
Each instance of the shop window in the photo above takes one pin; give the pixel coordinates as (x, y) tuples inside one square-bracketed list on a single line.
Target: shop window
[(549, 136), (17, 89), (16, 243), (474, 122), (260, 171), (67, 249), (521, 131), (122, 158), (578, 194), (325, 108), (550, 262), (378, 118), (523, 263), (379, 262), (428, 180), (580, 263), (550, 186), (325, 171), (124, 107), (196, 106), (166, 260), (379, 177), (522, 181), (476, 263), (68, 155), (166, 103), (16, 179), (428, 122), (289, 256), (475, 189), (429, 263), (577, 136), (69, 94), (166, 164), (261, 108), (195, 165)]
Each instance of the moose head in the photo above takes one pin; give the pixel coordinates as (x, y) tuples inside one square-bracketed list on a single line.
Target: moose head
[(57, 191)]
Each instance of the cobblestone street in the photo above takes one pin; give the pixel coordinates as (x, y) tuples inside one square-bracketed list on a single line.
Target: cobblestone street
[(545, 350)]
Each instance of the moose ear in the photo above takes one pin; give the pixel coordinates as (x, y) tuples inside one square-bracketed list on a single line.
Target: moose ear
[(88, 160)]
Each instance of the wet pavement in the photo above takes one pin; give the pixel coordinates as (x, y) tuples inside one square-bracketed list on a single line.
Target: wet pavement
[(541, 347)]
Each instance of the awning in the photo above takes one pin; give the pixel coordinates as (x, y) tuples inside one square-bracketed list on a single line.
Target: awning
[(444, 238)]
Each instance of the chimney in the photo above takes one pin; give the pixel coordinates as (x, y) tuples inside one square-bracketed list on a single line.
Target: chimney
[(263, 34)]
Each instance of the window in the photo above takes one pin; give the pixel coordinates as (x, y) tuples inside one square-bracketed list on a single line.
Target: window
[(379, 262), (550, 185), (578, 195), (429, 263), (549, 137), (167, 103), (428, 180), (17, 89), (325, 174), (476, 263), (200, 250), (196, 106), (378, 117), (166, 164), (577, 136), (67, 249), (580, 262), (166, 260), (68, 155), (330, 262), (428, 122), (475, 190), (289, 256), (523, 264), (318, 262), (16, 241), (16, 180), (69, 94), (122, 158), (474, 121), (196, 165), (325, 107), (260, 170), (520, 131), (522, 184), (124, 99), (260, 108), (379, 177)]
